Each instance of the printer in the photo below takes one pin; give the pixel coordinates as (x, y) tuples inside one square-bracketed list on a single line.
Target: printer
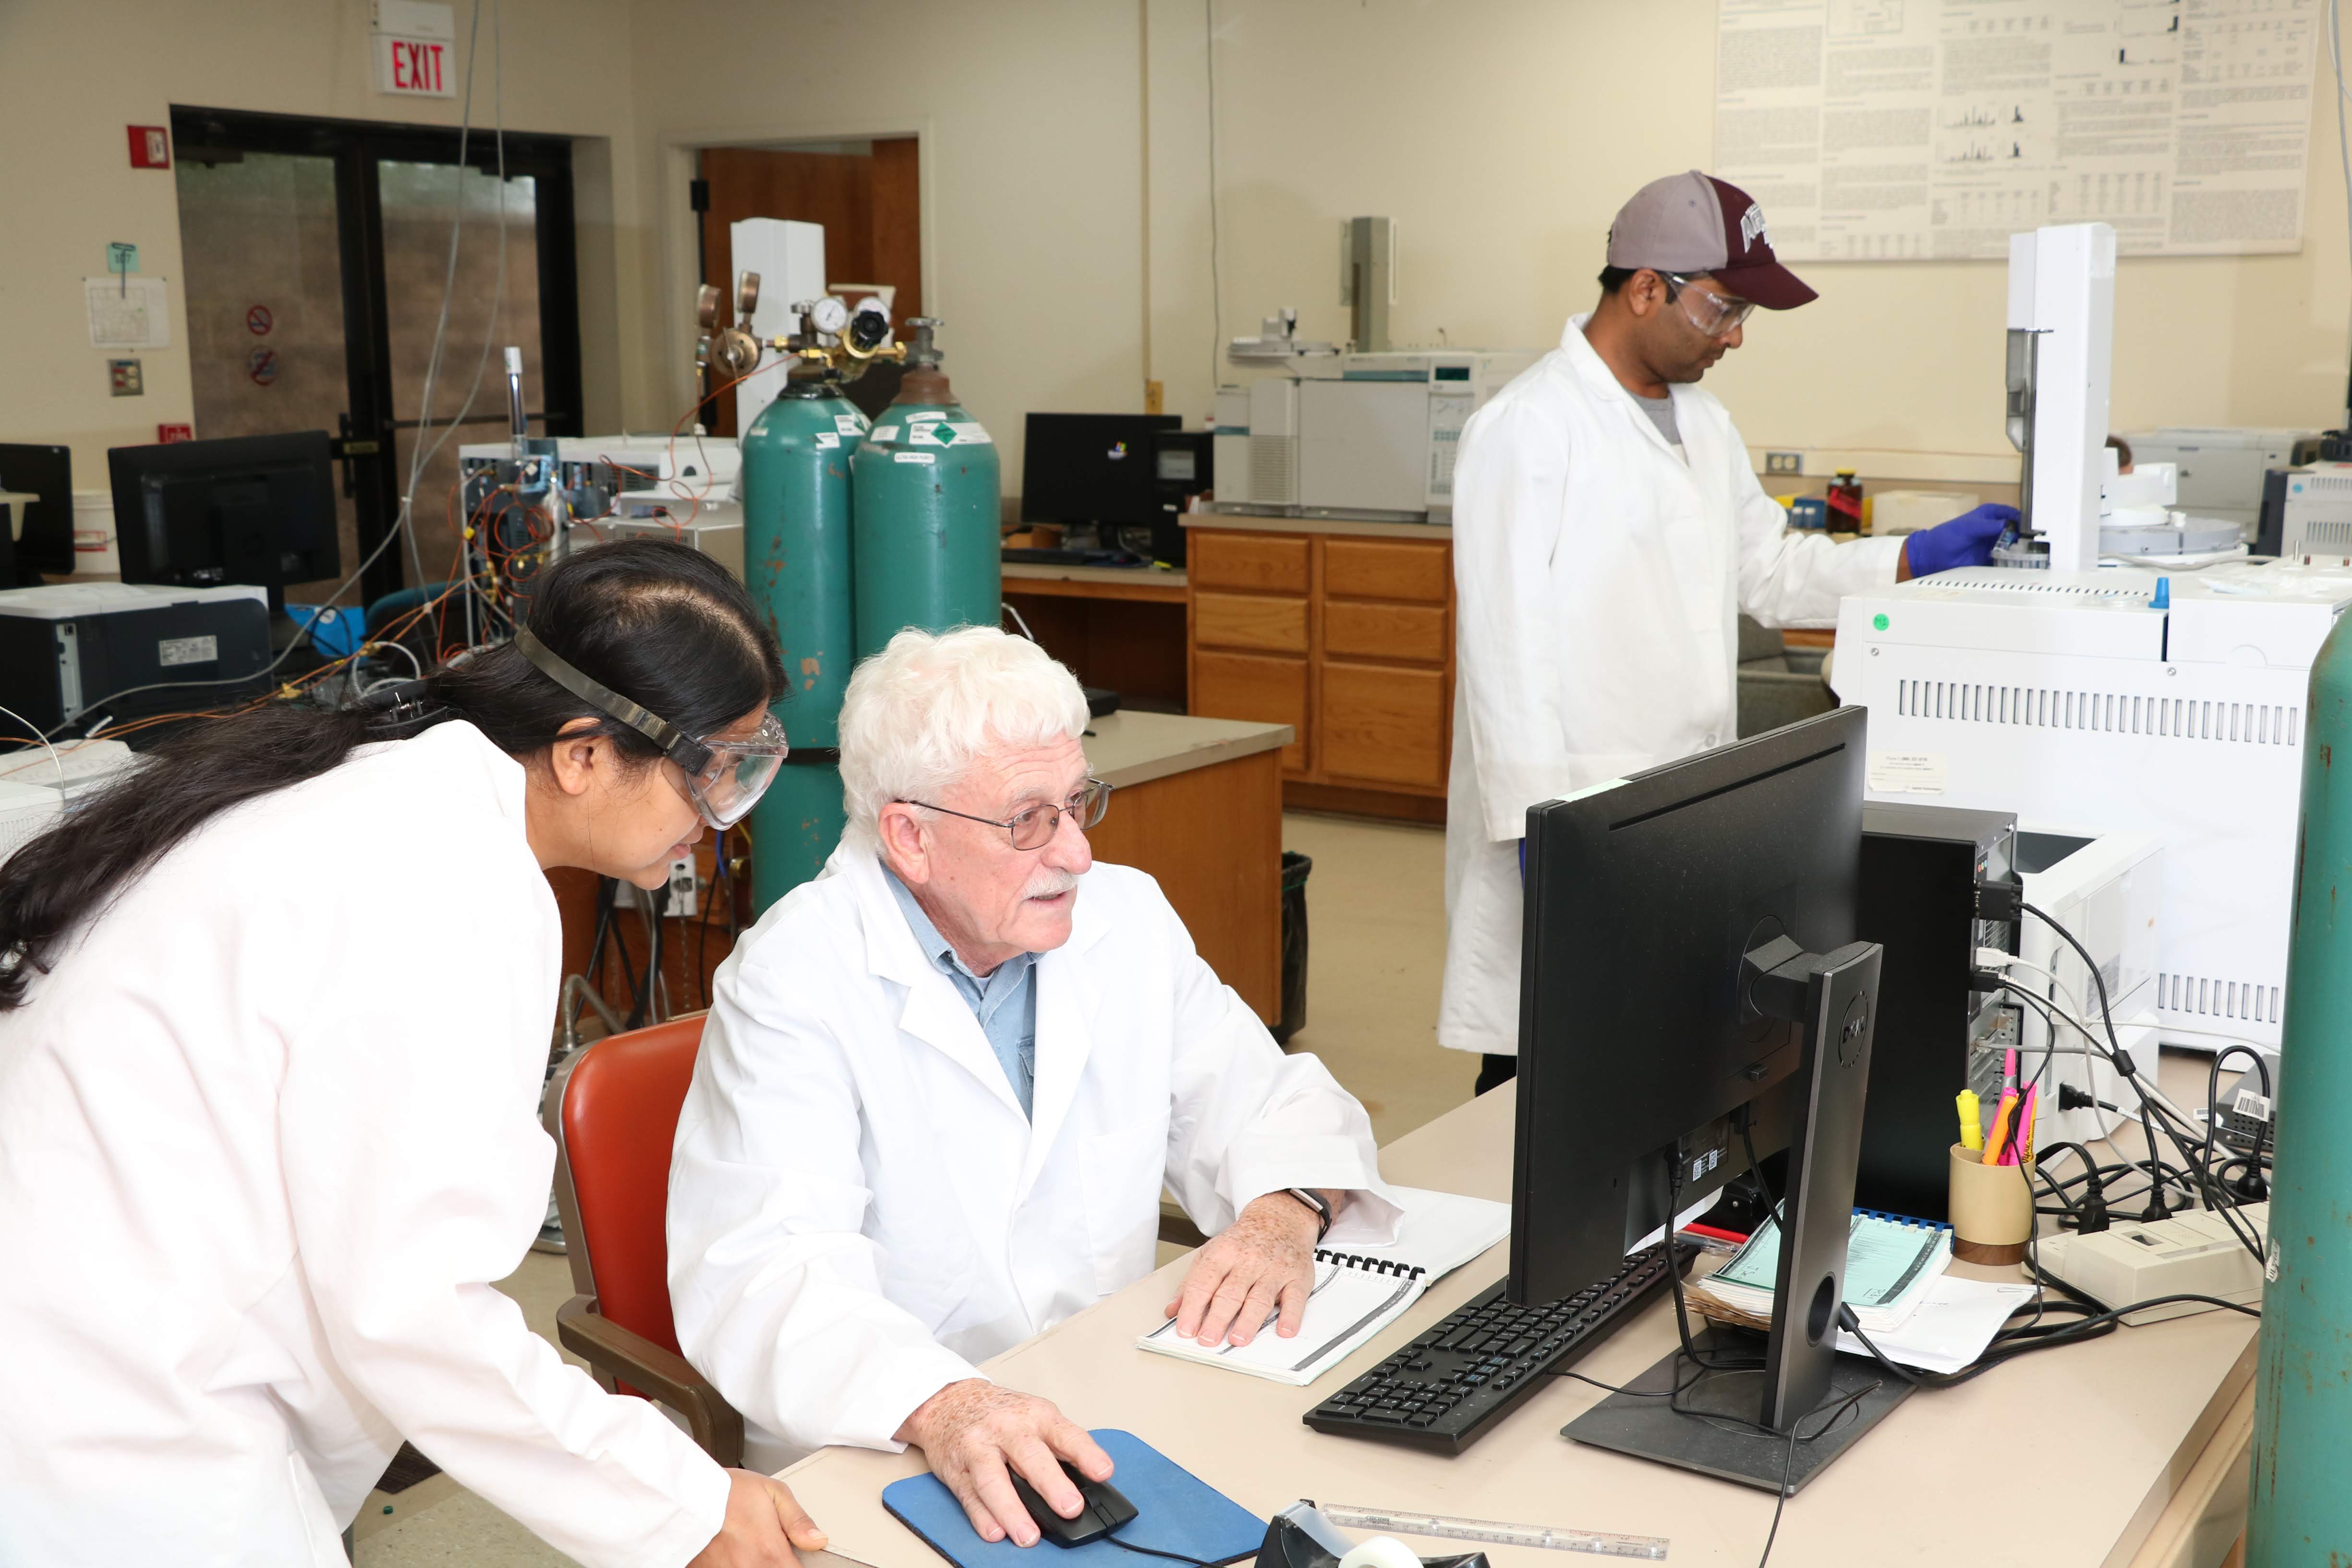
[(68, 645)]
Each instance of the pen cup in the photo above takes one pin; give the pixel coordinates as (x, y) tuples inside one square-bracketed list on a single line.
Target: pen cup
[(1991, 1209)]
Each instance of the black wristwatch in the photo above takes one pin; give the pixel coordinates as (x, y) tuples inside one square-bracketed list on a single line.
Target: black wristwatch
[(1315, 1201)]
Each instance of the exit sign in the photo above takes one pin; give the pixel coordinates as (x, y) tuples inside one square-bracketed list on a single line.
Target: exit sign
[(415, 48)]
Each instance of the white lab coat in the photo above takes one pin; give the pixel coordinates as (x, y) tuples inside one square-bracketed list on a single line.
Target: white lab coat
[(858, 1210), (268, 1132), (1598, 579)]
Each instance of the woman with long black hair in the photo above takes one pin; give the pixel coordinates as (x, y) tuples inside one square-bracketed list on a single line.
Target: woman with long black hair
[(274, 1014)]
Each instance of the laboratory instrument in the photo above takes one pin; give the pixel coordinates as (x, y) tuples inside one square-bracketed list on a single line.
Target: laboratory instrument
[(1445, 1527), (1356, 435), (2222, 470), (2121, 698)]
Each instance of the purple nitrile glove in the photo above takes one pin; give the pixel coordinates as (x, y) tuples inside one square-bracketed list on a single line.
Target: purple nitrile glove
[(1965, 541)]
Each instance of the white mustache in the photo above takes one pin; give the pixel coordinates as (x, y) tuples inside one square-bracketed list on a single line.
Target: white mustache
[(1048, 882)]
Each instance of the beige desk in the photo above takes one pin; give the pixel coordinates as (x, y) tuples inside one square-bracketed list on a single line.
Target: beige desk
[(2089, 1454)]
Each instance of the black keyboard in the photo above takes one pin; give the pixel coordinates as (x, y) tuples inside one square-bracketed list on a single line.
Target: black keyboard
[(1473, 1368)]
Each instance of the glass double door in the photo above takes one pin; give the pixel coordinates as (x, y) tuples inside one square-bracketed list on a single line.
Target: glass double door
[(318, 255)]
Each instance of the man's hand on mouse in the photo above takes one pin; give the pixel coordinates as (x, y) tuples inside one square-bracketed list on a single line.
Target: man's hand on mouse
[(975, 1433), (1262, 1262)]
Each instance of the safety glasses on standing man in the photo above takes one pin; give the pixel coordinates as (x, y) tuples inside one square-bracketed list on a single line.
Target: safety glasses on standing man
[(724, 778), (1714, 314)]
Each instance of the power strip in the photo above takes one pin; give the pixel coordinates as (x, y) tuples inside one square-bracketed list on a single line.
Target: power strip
[(2193, 1254)]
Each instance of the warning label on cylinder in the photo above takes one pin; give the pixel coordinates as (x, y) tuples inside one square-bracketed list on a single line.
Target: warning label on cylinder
[(947, 433), (913, 456), (849, 424), (827, 438)]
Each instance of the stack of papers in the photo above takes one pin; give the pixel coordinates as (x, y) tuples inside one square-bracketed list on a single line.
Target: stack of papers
[(1890, 1265)]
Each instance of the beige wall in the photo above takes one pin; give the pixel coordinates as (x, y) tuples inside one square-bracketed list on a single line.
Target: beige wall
[(1067, 264), (1501, 136), (74, 73)]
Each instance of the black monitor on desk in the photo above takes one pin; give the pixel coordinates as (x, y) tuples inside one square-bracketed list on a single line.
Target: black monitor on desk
[(1129, 474), (46, 543), (255, 509), (1692, 1001)]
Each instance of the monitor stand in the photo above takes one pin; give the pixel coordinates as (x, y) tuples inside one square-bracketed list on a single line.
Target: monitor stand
[(1737, 1423)]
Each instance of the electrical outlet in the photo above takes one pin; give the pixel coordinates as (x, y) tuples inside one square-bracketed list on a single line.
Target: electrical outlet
[(1784, 462), (684, 892)]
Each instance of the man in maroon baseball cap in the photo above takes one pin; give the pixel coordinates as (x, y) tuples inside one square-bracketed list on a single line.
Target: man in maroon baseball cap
[(1608, 530)]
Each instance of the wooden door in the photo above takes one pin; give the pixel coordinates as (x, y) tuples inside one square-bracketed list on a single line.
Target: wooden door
[(868, 203)]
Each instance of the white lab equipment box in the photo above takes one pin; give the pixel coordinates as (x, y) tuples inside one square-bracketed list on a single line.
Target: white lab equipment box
[(2077, 698), (2221, 468), (789, 257), (2106, 889)]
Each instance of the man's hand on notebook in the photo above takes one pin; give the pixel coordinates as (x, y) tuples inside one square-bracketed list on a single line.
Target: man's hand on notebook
[(1264, 1263), (974, 1433)]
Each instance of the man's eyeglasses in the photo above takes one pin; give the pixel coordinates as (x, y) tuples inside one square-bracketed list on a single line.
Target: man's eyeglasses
[(1714, 314), (1035, 827)]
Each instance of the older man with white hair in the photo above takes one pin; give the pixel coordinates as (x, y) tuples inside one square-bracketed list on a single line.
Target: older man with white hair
[(943, 1084)]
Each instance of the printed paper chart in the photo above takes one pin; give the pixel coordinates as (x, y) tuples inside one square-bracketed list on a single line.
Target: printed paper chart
[(1892, 130)]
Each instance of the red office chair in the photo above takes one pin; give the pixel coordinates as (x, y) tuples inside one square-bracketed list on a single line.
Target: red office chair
[(613, 1112)]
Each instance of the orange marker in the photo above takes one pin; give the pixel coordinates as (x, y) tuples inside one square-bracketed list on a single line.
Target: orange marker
[(1996, 1139)]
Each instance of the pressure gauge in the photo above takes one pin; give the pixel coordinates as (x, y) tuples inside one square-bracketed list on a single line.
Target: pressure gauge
[(830, 315)]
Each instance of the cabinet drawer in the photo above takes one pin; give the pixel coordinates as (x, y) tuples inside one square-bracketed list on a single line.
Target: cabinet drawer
[(1266, 562), (1272, 690), (1415, 632), (1251, 621), (1383, 724), (1386, 569)]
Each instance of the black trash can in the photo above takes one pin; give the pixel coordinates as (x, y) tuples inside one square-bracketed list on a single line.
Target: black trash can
[(1295, 867)]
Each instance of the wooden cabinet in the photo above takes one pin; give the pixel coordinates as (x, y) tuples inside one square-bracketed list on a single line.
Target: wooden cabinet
[(1348, 638)]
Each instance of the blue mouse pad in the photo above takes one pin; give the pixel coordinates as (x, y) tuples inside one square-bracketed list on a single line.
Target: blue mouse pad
[(1175, 1512)]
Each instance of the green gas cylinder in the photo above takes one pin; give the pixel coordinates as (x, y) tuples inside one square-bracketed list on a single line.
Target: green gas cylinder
[(796, 561), (2301, 1510), (925, 500)]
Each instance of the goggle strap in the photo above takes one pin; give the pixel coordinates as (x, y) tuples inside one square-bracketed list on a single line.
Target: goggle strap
[(687, 752)]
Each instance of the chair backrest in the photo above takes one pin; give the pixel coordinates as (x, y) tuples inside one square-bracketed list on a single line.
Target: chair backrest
[(616, 1119)]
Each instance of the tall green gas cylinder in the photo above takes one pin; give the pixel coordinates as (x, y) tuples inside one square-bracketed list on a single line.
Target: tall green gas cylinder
[(2301, 1510), (796, 561), (925, 498)]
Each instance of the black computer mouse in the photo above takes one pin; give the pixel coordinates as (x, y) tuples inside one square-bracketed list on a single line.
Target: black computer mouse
[(1106, 1509)]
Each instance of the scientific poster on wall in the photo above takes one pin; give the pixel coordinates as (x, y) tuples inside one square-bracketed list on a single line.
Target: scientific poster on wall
[(1914, 130)]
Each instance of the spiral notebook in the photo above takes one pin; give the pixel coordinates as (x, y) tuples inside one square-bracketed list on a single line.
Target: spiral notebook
[(1359, 1291)]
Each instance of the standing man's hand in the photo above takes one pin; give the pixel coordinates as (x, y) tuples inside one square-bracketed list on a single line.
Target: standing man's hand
[(1263, 1261), (1965, 541), (975, 1434), (763, 1524)]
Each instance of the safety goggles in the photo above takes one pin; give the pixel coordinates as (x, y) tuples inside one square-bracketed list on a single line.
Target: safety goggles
[(724, 778), (1716, 315)]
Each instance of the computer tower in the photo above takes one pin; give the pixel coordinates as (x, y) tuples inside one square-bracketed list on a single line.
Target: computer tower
[(1920, 869)]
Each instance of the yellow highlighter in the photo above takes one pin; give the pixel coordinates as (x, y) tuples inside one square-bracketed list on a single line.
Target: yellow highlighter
[(1998, 1136), (1971, 1121)]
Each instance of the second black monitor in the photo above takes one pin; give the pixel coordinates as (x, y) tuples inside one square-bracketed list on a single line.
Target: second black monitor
[(257, 510)]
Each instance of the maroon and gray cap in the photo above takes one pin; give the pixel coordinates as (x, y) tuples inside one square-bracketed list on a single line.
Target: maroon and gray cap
[(1695, 223)]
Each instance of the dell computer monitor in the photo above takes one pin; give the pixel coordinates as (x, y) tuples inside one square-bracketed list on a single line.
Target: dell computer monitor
[(46, 543), (256, 509), (1691, 995)]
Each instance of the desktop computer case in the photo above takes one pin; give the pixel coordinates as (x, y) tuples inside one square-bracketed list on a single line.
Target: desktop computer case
[(1920, 867)]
